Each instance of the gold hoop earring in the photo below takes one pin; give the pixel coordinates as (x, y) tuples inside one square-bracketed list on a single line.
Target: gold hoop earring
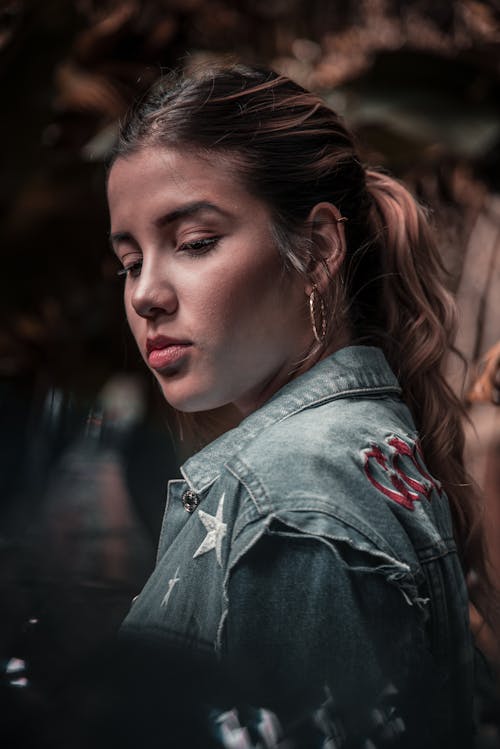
[(320, 337)]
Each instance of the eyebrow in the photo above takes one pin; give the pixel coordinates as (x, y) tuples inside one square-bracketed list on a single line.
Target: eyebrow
[(186, 210), (119, 236)]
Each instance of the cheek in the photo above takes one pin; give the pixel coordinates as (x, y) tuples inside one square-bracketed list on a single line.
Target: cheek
[(238, 305)]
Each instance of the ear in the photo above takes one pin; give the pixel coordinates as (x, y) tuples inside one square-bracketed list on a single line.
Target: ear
[(327, 235)]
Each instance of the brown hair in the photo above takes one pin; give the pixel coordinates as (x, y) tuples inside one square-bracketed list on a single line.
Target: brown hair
[(293, 152)]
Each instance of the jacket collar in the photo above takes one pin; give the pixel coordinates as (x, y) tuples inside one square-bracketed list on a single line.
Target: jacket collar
[(352, 371)]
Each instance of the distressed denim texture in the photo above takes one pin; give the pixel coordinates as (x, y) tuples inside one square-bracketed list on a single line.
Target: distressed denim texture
[(329, 472)]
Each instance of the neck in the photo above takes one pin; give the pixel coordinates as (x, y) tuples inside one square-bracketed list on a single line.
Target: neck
[(287, 373)]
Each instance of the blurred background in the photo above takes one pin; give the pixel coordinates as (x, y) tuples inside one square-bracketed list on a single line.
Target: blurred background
[(86, 444)]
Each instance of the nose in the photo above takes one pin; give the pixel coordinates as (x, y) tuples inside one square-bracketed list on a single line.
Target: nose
[(152, 293)]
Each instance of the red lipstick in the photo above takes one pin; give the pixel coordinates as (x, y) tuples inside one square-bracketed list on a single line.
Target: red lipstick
[(163, 351)]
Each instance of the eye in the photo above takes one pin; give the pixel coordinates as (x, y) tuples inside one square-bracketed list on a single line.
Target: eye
[(131, 270), (199, 246)]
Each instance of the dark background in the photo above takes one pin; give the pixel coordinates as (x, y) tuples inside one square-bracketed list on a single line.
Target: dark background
[(85, 441)]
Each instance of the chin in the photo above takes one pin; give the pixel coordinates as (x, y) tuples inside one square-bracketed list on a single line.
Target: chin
[(189, 400)]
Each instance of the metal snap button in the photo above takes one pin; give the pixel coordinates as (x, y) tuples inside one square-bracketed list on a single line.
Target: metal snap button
[(190, 500)]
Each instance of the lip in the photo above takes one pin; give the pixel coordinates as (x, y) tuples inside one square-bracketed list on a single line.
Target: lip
[(163, 351)]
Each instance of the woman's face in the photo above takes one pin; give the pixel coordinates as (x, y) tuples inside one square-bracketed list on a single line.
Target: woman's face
[(215, 317)]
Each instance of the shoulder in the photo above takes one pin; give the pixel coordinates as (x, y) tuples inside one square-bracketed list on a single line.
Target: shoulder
[(317, 458), (347, 469), (317, 437)]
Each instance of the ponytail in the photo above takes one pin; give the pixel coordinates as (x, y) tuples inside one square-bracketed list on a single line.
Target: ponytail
[(420, 325)]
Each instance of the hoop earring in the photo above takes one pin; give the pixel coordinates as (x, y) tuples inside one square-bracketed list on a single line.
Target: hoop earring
[(320, 337)]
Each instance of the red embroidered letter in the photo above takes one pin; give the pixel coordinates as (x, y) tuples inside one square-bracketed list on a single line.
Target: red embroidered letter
[(398, 471)]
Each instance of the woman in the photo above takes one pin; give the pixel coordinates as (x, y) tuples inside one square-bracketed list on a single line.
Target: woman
[(319, 544)]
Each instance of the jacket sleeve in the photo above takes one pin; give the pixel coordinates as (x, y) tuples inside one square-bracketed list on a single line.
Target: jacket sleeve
[(308, 621)]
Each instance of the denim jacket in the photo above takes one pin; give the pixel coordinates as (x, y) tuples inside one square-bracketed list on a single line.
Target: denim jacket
[(314, 528)]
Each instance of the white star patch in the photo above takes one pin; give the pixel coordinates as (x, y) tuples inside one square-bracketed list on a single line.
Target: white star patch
[(171, 585), (216, 530)]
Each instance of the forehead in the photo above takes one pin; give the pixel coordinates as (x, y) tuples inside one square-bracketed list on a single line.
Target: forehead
[(159, 178)]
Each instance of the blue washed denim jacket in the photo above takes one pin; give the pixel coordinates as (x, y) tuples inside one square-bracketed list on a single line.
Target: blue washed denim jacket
[(310, 544)]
